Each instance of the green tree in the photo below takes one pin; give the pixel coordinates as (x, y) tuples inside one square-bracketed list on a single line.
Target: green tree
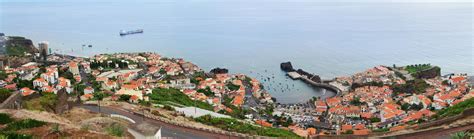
[(99, 95), (3, 75), (48, 101), (206, 92), (4, 94), (374, 120), (124, 97)]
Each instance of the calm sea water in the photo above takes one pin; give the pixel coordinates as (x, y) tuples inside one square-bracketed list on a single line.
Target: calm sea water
[(253, 37)]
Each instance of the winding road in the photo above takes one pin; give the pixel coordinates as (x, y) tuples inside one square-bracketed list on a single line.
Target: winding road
[(168, 130)]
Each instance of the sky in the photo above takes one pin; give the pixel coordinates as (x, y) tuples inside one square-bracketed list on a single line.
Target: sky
[(378, 1)]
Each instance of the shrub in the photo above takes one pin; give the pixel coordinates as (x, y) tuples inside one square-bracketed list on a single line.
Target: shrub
[(233, 87), (48, 101), (24, 124), (237, 126), (456, 109), (162, 95), (349, 132), (416, 86), (115, 129), (206, 91), (13, 135), (375, 120), (167, 107), (5, 118), (4, 94), (125, 97)]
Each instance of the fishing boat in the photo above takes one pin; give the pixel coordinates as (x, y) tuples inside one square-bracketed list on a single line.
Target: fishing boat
[(123, 33)]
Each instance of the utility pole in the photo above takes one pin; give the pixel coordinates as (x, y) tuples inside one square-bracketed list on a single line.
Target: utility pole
[(98, 102), (143, 114)]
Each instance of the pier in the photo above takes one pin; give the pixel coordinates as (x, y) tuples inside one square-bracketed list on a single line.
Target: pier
[(311, 79)]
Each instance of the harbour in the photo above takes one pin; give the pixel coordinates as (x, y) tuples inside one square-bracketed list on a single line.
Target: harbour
[(325, 44)]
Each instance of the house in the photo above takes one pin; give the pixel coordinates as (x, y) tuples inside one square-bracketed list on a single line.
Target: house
[(48, 88), (78, 78), (321, 107), (64, 83), (181, 82), (109, 85), (50, 76), (418, 115), (131, 90), (359, 126), (361, 132), (88, 90), (263, 123), (345, 128), (86, 66), (40, 82), (87, 96), (130, 87), (26, 91), (397, 128), (74, 68), (333, 101), (10, 87)]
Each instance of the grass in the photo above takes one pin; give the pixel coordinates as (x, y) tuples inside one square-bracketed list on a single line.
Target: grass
[(416, 68), (416, 86), (14, 135), (24, 124), (115, 129), (456, 109), (237, 126), (163, 96), (5, 118), (33, 104)]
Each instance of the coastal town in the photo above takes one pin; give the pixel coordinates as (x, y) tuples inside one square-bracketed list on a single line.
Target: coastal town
[(380, 99)]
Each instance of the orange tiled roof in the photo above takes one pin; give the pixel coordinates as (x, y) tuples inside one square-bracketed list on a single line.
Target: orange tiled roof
[(397, 128), (263, 123), (361, 132), (346, 127), (359, 126)]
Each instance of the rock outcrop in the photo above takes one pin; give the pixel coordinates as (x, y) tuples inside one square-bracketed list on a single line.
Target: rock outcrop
[(286, 66), (219, 70)]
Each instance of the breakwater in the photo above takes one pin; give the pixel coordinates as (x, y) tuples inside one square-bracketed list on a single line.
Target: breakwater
[(308, 78)]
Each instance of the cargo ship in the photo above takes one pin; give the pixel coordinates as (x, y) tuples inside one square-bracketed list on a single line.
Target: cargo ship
[(123, 33)]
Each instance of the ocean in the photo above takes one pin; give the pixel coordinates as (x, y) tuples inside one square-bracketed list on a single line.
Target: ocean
[(254, 36)]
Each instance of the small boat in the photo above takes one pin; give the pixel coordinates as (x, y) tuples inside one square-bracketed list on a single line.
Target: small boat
[(123, 33), (89, 46)]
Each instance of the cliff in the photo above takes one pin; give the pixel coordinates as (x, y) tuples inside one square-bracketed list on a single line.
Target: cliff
[(17, 46), (429, 73)]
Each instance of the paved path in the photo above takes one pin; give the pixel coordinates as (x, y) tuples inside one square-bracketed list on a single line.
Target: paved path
[(168, 130)]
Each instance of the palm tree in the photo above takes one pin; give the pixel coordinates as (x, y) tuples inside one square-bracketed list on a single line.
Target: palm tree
[(461, 135)]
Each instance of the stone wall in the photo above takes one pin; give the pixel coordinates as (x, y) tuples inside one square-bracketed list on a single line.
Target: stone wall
[(12, 102)]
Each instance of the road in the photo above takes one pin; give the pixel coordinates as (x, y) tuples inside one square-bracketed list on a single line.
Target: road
[(168, 130), (250, 101), (438, 133)]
